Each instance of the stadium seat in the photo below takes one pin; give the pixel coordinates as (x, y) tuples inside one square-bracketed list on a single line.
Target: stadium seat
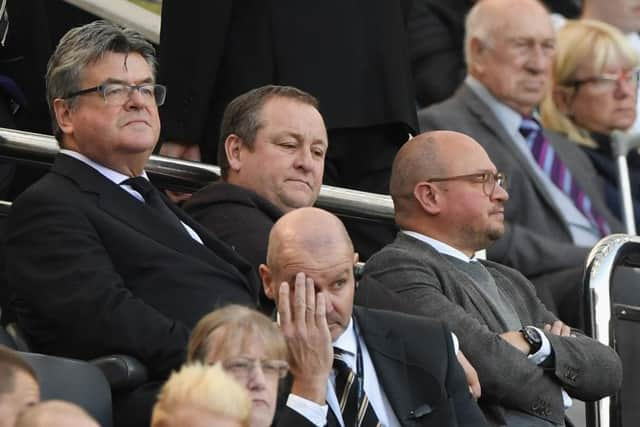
[(75, 381)]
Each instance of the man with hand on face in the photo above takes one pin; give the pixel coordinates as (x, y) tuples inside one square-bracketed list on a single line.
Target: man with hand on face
[(352, 364)]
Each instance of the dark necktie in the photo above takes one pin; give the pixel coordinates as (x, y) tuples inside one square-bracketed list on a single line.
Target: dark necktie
[(153, 199), (354, 413), (557, 171)]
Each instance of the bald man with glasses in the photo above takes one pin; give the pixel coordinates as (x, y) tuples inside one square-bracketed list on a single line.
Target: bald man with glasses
[(449, 203)]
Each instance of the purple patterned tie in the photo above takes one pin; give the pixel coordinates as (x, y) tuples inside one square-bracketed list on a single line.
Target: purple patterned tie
[(554, 167)]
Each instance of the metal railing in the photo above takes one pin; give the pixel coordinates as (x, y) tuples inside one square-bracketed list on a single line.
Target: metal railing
[(125, 13), (609, 253), (183, 175), (622, 143)]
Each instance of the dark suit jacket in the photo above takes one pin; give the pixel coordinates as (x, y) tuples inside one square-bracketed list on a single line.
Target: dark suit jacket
[(238, 216), (93, 271), (537, 241), (417, 370), (422, 281), (351, 54)]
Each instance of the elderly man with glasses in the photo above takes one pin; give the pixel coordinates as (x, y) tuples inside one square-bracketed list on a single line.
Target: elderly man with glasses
[(449, 202), (557, 212), (98, 261)]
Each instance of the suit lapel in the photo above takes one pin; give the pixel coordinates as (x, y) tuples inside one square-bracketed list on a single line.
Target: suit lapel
[(116, 202), (397, 378), (482, 111), (462, 281)]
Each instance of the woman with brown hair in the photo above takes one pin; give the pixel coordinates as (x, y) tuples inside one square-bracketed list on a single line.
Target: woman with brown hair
[(250, 347)]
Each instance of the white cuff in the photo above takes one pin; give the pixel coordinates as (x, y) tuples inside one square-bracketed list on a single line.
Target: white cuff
[(543, 352), (456, 343), (566, 400), (316, 414)]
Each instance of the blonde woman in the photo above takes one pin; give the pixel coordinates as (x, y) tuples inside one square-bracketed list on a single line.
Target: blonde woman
[(594, 91), (200, 395), (250, 347)]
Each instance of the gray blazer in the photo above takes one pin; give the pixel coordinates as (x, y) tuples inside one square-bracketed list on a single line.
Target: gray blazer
[(410, 276), (537, 239)]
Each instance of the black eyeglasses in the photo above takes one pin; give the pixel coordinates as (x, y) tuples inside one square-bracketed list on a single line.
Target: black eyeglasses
[(117, 94), (488, 180)]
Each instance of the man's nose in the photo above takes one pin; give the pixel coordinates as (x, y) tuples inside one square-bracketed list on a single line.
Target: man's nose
[(135, 100), (499, 193), (303, 159)]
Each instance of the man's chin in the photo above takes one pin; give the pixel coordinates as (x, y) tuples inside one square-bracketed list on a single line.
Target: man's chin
[(495, 234), (335, 329)]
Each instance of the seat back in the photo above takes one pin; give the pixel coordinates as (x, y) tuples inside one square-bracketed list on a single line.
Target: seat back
[(74, 381)]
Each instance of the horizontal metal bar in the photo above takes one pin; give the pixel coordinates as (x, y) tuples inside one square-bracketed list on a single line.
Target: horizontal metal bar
[(183, 175), (125, 13)]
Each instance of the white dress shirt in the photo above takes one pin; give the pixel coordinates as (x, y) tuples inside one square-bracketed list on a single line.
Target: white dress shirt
[(317, 414), (583, 233), (117, 177)]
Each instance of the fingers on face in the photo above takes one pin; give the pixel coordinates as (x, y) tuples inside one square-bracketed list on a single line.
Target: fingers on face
[(310, 308), (300, 299), (284, 305)]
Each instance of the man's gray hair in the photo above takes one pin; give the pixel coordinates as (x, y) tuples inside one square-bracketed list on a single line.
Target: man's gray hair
[(478, 25), (83, 46)]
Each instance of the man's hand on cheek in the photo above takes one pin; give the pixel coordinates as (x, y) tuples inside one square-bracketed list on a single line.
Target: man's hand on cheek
[(304, 324)]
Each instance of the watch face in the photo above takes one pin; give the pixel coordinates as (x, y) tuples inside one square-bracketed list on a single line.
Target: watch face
[(532, 336)]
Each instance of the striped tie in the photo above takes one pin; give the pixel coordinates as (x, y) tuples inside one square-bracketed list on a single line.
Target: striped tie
[(557, 171), (354, 413)]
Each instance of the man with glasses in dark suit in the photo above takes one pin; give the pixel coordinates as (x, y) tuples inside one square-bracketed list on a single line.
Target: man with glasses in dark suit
[(98, 262)]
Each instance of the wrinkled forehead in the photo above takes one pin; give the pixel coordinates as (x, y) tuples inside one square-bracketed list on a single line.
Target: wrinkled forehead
[(532, 23)]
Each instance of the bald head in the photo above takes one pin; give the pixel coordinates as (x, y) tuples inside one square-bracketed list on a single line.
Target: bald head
[(310, 229), (55, 413), (310, 249), (443, 185), (429, 155)]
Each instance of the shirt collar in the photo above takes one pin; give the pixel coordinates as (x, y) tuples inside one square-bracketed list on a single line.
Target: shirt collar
[(439, 246), (509, 118), (347, 341), (112, 175)]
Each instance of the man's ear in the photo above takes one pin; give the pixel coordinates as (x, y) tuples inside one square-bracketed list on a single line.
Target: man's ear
[(62, 110), (233, 150), (265, 275), (477, 48), (428, 197)]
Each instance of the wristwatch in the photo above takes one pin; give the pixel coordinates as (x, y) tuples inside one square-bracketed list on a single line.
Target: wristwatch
[(532, 336)]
